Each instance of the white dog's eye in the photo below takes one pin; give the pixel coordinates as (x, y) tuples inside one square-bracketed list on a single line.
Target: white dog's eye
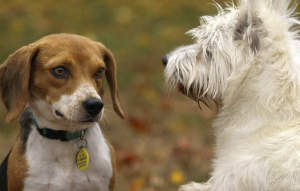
[(60, 72), (99, 74)]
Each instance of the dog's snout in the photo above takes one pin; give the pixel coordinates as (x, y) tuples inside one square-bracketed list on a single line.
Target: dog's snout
[(93, 106), (165, 61)]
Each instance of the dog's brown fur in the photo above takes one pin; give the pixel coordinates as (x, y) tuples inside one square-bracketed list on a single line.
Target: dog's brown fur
[(25, 76)]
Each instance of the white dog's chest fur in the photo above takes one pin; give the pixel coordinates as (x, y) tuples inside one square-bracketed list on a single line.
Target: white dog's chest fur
[(52, 167), (267, 159)]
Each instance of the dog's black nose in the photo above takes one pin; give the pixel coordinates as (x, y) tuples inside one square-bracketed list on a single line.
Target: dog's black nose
[(93, 106), (165, 61)]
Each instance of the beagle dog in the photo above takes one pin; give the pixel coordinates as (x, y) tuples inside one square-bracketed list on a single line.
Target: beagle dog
[(54, 86)]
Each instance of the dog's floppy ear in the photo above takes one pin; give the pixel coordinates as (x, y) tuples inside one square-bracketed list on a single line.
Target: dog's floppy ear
[(111, 77), (15, 80)]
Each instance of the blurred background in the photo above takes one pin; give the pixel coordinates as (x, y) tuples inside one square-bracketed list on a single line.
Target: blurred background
[(163, 142)]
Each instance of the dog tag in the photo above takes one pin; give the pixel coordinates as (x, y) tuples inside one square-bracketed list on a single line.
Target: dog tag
[(82, 159)]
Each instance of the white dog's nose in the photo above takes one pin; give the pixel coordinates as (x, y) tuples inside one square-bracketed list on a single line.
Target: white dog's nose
[(165, 61), (93, 106)]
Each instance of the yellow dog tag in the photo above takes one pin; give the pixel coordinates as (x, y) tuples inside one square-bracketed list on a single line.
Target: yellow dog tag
[(82, 159)]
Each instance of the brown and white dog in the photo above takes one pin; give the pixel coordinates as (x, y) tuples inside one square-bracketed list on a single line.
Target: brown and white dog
[(56, 84)]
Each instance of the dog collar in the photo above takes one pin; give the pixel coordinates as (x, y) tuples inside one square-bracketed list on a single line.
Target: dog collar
[(57, 134)]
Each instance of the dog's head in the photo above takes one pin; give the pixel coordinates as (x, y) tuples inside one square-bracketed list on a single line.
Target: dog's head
[(226, 47), (61, 77)]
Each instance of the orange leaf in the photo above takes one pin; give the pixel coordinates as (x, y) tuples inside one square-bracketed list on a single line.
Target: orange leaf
[(128, 159), (138, 125), (137, 184)]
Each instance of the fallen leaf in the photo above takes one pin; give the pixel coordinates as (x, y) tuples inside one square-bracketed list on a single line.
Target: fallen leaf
[(138, 125), (127, 158), (137, 184), (176, 177), (182, 148)]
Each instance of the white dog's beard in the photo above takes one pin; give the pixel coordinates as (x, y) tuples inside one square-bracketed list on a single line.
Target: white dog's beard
[(208, 107)]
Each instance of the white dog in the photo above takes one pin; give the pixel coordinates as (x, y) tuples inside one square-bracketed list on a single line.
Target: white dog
[(246, 58)]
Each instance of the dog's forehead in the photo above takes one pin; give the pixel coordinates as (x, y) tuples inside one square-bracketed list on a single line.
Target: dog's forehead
[(219, 24), (78, 47), (214, 31)]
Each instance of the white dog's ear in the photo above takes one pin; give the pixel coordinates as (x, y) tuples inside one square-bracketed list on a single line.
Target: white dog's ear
[(249, 27)]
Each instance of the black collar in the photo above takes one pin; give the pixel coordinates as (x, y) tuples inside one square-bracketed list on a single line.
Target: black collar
[(57, 134)]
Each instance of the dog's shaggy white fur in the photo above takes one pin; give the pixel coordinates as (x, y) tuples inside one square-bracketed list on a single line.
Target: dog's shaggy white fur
[(247, 56)]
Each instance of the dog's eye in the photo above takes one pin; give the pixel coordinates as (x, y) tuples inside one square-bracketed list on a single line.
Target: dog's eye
[(60, 72), (99, 74)]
